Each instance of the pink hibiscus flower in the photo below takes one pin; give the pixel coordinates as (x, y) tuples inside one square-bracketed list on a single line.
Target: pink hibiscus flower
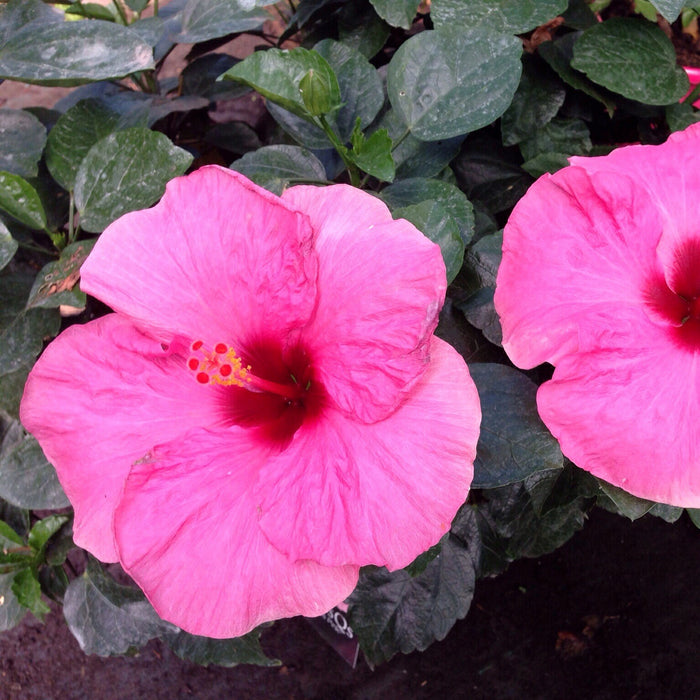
[(601, 277), (267, 410)]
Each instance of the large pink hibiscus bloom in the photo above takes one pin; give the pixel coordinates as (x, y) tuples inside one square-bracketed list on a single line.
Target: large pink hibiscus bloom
[(267, 410), (601, 278)]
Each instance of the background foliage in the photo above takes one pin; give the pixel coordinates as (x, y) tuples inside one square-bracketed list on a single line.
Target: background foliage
[(446, 110)]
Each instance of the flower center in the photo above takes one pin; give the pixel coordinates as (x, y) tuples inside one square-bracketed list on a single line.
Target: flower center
[(267, 389), (223, 366)]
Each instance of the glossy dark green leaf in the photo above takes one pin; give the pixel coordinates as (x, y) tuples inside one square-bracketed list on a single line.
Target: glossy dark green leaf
[(27, 590), (8, 246), (21, 201), (12, 387), (489, 174), (559, 54), (694, 515), (415, 158), (569, 136), (512, 16), (24, 337), (453, 81), (137, 5), (437, 223), (76, 131), (56, 283), (373, 155), (365, 32), (545, 163), (27, 480), (219, 652), (208, 19), (11, 612), (416, 190), (632, 57), (151, 30), (276, 75), (394, 612), (670, 9), (668, 513), (618, 501), (71, 53), (537, 100), (18, 14), (476, 285), (107, 618), (125, 171), (397, 13), (22, 140), (680, 116), (200, 78), (43, 530), (275, 167), (514, 441)]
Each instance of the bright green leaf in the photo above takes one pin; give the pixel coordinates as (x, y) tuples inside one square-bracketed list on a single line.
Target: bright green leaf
[(276, 75), (373, 156), (21, 201), (632, 57), (514, 441), (125, 171), (22, 140), (43, 530), (27, 590), (91, 10), (453, 81)]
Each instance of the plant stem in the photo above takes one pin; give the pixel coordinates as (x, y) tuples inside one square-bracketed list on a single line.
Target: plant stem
[(155, 8), (342, 151), (71, 215), (399, 140), (122, 13)]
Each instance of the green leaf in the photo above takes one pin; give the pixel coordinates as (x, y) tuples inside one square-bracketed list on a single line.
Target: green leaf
[(545, 163), (559, 54), (632, 57), (452, 81), (71, 53), (11, 612), (125, 171), (416, 190), (668, 513), (137, 5), (208, 19), (275, 167), (27, 590), (414, 158), (24, 337), (394, 612), (508, 16), (18, 14), (670, 9), (361, 97), (317, 93), (22, 140), (12, 387), (514, 442), (200, 78), (106, 618), (8, 246), (618, 501), (536, 102), (276, 75), (568, 136), (76, 131), (397, 13), (21, 201), (364, 31), (91, 10), (43, 530), (56, 283), (474, 289), (27, 480), (437, 224), (694, 514), (373, 156), (220, 652), (681, 115)]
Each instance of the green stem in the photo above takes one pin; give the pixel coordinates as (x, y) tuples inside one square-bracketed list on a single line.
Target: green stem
[(352, 169), (71, 216), (155, 8), (122, 13), (693, 95)]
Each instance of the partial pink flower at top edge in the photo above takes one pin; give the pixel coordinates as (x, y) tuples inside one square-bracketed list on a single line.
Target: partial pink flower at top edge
[(267, 409), (601, 278), (694, 77)]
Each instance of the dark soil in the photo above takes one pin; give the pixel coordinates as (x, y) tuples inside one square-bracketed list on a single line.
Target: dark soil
[(614, 614)]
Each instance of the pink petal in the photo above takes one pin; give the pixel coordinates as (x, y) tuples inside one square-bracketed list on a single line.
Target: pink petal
[(381, 493), (381, 286), (95, 401), (187, 532), (579, 261), (218, 258), (629, 415), (670, 175)]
